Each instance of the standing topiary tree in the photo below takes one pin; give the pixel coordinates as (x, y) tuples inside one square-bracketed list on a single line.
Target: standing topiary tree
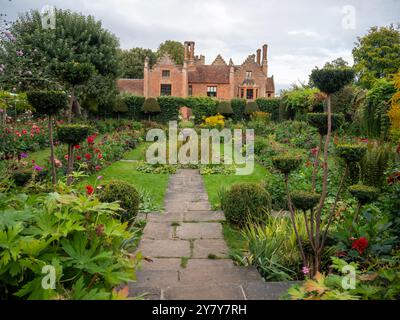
[(225, 108), (48, 103), (72, 135), (329, 80), (151, 107), (74, 74), (251, 107)]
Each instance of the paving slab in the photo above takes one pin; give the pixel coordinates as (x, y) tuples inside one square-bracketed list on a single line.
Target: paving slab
[(204, 292), (259, 290), (164, 248), (204, 248), (199, 230), (158, 230), (166, 217), (203, 216)]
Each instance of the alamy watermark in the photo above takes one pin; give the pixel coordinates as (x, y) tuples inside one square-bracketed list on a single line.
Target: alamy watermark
[(48, 17), (238, 147)]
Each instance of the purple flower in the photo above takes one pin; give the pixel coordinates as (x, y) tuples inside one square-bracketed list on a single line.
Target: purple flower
[(10, 36), (37, 168), (2, 67), (20, 53), (306, 270), (99, 177), (23, 155)]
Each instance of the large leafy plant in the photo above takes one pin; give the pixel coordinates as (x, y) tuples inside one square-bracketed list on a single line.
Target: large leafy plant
[(75, 235)]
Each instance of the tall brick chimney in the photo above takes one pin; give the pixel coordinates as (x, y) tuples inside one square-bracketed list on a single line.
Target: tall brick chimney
[(265, 60), (259, 56)]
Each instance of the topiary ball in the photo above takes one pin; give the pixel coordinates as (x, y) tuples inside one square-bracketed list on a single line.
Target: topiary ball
[(286, 163), (127, 196), (47, 102), (225, 108), (151, 106), (351, 153), (72, 133), (320, 121), (364, 194), (304, 200), (245, 202), (251, 107), (330, 80)]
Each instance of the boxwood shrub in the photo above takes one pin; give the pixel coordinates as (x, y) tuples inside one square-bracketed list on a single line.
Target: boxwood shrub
[(245, 202)]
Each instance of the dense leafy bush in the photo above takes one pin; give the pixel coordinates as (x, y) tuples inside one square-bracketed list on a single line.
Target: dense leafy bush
[(47, 102), (72, 133), (244, 203), (238, 106), (225, 108), (331, 80), (75, 73), (351, 153), (364, 194), (134, 105), (75, 235), (375, 163), (251, 107), (304, 200), (320, 121), (169, 108), (272, 106), (286, 163), (151, 107), (126, 195), (202, 107)]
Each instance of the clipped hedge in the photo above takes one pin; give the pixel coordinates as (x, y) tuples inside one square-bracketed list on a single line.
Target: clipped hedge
[(238, 106), (202, 107), (47, 102), (169, 108), (72, 134), (134, 105), (272, 106)]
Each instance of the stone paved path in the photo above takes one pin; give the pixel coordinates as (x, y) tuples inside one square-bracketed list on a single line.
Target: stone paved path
[(180, 248)]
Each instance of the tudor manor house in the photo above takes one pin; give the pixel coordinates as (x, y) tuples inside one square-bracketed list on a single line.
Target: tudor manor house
[(220, 80)]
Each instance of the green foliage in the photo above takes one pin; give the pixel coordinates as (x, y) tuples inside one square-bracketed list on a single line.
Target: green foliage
[(376, 55), (151, 106), (351, 153), (375, 121), (126, 195), (72, 134), (156, 168), (304, 200), (238, 106), (330, 80), (202, 107), (364, 194), (302, 100), (22, 176), (76, 235), (272, 106), (251, 107), (375, 163), (225, 108), (273, 247), (169, 108), (320, 121), (75, 73), (286, 163), (174, 49), (134, 105), (76, 38), (132, 61), (245, 202), (47, 102)]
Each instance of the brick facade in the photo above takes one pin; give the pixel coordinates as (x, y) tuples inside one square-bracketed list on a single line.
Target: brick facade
[(225, 80)]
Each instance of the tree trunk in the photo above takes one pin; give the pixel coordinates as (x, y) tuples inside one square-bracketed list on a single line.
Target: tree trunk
[(318, 241), (316, 161), (71, 105), (70, 164), (53, 168)]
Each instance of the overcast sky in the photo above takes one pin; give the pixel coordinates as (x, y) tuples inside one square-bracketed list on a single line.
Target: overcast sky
[(300, 34)]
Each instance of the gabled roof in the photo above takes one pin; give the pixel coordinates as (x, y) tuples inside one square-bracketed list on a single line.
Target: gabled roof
[(219, 61), (209, 74), (135, 86)]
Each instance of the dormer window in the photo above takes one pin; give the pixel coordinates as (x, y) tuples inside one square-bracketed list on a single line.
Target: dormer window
[(248, 74), (165, 73)]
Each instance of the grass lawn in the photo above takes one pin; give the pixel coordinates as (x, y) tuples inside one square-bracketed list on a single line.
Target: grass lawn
[(154, 185), (214, 182)]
